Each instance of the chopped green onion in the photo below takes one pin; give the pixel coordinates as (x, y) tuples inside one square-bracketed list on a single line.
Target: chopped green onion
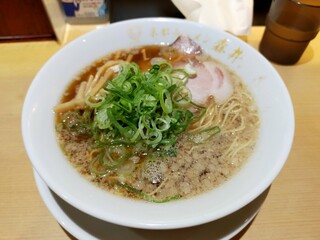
[(147, 196), (94, 169), (143, 106), (165, 101)]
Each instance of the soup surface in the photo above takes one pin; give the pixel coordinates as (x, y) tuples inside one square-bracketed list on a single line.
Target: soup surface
[(157, 122)]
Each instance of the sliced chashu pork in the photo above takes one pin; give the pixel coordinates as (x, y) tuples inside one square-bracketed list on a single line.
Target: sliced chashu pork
[(211, 79)]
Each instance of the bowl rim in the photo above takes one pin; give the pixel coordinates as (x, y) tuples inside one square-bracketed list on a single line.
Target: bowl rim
[(183, 222)]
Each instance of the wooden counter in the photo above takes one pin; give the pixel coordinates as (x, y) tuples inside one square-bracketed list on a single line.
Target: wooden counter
[(292, 207)]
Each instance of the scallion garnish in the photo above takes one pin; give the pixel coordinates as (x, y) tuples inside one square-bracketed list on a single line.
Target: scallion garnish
[(150, 106), (147, 196)]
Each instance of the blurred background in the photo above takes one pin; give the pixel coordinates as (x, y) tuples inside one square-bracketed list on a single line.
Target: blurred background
[(32, 20)]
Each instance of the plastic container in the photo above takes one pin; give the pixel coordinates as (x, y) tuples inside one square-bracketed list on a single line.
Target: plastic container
[(85, 11)]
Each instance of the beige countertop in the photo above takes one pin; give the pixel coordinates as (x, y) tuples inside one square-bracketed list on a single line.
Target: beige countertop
[(292, 207)]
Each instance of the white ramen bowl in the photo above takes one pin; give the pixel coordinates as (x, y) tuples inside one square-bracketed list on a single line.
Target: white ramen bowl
[(271, 151)]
